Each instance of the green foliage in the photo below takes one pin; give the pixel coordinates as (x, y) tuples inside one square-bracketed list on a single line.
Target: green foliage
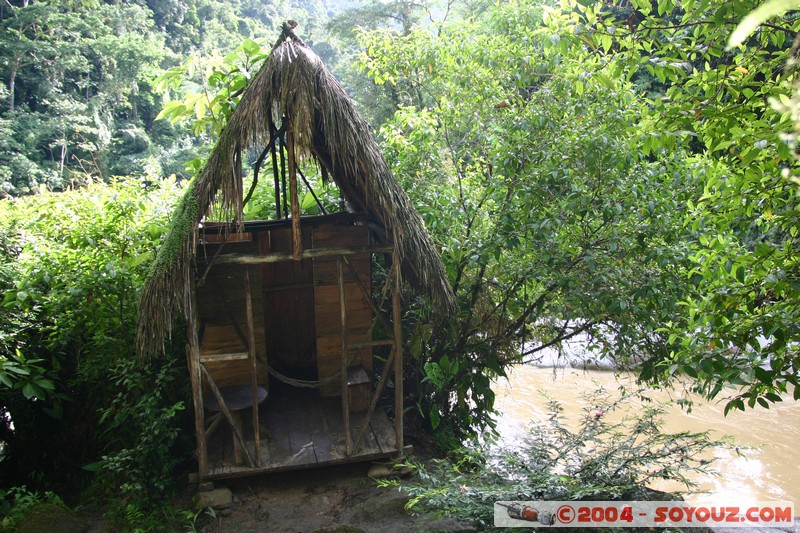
[(80, 104), (183, 224), (16, 502), (78, 80), (28, 376), (208, 103), (71, 268), (614, 171), (764, 12), (608, 171), (607, 454), (141, 426), (550, 225), (740, 314)]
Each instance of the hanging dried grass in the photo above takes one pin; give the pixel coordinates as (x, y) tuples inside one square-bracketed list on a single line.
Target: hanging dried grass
[(294, 89)]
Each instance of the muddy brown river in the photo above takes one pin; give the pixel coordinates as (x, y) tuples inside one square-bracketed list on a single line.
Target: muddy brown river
[(768, 469)]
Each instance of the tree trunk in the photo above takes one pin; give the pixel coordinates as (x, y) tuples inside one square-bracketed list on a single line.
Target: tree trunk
[(63, 157), (12, 82)]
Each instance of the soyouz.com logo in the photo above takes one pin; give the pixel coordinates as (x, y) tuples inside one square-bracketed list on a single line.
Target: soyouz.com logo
[(642, 514)]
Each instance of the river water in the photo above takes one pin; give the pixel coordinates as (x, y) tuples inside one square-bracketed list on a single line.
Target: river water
[(767, 469)]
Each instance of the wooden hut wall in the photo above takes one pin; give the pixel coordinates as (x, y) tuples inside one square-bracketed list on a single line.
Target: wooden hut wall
[(295, 303), (223, 323)]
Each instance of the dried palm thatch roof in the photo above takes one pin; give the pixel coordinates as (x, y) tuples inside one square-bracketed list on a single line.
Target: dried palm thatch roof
[(295, 90)]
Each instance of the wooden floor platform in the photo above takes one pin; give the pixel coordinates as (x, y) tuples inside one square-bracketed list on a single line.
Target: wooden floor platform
[(299, 429)]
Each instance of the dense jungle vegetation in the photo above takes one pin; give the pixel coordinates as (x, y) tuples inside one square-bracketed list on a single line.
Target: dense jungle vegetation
[(617, 170)]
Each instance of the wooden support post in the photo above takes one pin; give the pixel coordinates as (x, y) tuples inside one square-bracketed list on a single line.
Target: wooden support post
[(251, 351), (283, 180), (345, 397), (276, 174), (297, 239), (193, 364), (238, 182), (398, 360)]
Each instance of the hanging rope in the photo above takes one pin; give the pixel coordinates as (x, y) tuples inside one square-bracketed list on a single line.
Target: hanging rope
[(302, 383)]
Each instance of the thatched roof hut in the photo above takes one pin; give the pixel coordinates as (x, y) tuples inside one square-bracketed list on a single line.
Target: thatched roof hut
[(294, 92)]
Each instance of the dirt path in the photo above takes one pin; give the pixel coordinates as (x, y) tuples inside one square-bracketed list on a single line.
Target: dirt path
[(319, 500)]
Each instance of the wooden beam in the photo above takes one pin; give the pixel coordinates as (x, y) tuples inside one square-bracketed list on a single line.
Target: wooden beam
[(312, 253), (297, 236), (276, 176), (348, 439), (397, 317), (233, 356), (251, 348), (371, 344), (394, 356), (193, 364)]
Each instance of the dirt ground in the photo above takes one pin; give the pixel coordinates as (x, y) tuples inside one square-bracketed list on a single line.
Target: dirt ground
[(337, 499)]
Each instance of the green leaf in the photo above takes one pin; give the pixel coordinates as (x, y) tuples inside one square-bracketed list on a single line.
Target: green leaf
[(20, 370), (434, 417), (93, 467), (44, 384), (250, 47), (308, 202), (740, 274), (29, 391), (173, 111), (434, 374), (758, 16)]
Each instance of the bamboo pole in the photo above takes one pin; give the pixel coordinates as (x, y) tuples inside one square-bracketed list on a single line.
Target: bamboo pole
[(345, 397), (193, 364), (282, 154), (398, 360), (297, 236), (251, 351)]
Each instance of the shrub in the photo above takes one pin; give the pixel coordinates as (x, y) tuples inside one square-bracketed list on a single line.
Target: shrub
[(71, 268), (142, 426), (600, 459), (17, 502)]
